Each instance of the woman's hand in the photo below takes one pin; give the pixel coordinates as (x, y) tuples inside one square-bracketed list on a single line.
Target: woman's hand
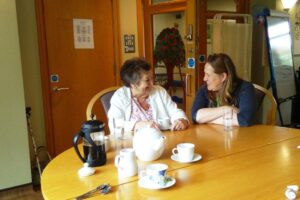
[(180, 124), (142, 124), (234, 109)]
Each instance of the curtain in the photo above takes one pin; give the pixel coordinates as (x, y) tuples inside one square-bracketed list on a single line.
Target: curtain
[(235, 40)]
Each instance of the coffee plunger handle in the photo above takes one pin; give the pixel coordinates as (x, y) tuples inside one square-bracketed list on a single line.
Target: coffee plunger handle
[(75, 144)]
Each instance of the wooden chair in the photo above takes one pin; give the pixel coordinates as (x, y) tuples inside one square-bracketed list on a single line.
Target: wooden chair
[(260, 93), (104, 96)]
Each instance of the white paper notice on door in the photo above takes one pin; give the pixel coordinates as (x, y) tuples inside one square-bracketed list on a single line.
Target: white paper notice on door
[(83, 33)]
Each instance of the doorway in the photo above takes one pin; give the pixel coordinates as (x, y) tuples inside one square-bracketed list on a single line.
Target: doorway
[(164, 21), (169, 45)]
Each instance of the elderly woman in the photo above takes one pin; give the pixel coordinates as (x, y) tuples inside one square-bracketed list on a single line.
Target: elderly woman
[(142, 104), (223, 89)]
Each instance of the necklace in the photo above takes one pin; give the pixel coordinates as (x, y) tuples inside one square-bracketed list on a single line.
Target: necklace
[(141, 109), (143, 103)]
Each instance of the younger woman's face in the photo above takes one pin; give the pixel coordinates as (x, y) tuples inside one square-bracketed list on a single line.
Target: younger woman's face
[(214, 81), (144, 87)]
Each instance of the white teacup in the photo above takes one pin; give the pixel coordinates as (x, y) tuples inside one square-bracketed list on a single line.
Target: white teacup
[(155, 174), (184, 152), (164, 123)]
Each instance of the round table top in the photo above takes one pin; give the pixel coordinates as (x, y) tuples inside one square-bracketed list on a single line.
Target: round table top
[(60, 178)]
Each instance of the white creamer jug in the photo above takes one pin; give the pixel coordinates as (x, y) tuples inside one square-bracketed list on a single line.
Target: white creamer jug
[(126, 163)]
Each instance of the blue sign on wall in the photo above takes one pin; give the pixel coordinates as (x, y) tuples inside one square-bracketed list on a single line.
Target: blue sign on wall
[(54, 78), (191, 62), (202, 58)]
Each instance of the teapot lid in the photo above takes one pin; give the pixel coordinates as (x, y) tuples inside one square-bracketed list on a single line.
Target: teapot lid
[(86, 170), (93, 125)]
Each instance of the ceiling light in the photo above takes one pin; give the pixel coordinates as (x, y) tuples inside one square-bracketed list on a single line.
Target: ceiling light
[(287, 4)]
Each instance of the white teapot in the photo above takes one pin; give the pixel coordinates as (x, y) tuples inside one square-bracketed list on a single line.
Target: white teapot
[(148, 143)]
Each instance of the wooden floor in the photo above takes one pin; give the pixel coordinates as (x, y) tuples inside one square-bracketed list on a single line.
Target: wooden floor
[(22, 192)]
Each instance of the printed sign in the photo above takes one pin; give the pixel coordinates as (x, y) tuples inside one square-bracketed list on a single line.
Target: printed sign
[(83, 33), (129, 43)]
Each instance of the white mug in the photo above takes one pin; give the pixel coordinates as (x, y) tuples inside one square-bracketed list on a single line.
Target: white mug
[(164, 123), (156, 174), (126, 162), (184, 152)]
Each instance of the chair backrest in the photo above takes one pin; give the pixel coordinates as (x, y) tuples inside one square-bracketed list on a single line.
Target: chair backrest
[(260, 93), (104, 96)]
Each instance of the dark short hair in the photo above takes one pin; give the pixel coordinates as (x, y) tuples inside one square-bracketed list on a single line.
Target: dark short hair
[(132, 70)]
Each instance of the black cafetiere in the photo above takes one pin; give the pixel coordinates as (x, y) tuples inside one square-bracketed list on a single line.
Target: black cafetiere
[(92, 134)]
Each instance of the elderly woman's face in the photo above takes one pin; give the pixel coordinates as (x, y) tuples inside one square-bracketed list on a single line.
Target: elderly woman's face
[(144, 86), (214, 81)]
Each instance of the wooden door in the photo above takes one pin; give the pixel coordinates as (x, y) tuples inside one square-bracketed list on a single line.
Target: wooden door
[(178, 9), (81, 72)]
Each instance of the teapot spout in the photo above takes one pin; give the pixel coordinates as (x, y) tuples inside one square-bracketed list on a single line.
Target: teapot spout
[(159, 143)]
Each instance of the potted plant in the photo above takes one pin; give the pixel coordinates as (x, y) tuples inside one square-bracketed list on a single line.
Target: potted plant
[(169, 49)]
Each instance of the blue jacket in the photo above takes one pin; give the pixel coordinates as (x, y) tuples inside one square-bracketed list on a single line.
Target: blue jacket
[(245, 101)]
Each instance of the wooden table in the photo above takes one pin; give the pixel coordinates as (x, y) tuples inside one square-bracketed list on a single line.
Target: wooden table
[(255, 162)]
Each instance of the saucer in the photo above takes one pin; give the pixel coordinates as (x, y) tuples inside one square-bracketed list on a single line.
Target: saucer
[(144, 183), (196, 158)]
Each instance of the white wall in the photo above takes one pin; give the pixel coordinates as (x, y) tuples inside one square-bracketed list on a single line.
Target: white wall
[(128, 25), (223, 5), (14, 150), (31, 67), (295, 13), (168, 20)]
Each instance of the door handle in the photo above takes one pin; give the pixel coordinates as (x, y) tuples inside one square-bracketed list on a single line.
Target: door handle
[(189, 36), (57, 89), (187, 84)]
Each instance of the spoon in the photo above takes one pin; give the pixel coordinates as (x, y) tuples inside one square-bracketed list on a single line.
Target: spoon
[(102, 189)]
